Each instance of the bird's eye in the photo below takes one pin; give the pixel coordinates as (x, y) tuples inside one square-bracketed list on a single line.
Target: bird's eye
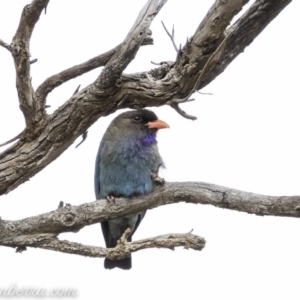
[(137, 118)]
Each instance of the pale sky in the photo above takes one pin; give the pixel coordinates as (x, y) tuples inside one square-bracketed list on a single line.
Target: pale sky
[(246, 137)]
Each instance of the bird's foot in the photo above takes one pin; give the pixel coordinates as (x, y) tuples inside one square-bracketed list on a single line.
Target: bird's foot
[(111, 199), (157, 180)]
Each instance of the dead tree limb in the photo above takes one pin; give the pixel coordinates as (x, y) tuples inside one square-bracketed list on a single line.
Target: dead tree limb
[(42, 230), (5, 45), (204, 56), (21, 54), (166, 241)]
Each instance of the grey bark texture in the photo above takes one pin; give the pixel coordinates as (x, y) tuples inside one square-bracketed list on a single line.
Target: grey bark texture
[(213, 46)]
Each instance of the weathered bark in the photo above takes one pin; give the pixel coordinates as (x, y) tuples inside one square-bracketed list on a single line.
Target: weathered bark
[(42, 230), (167, 241), (33, 112), (204, 57)]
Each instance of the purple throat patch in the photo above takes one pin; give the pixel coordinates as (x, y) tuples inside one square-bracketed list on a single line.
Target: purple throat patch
[(149, 139)]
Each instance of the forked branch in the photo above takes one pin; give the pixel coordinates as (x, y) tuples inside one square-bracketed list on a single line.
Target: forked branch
[(213, 46), (21, 54), (166, 241), (29, 232)]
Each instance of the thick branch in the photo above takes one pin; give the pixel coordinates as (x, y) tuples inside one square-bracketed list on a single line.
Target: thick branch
[(242, 33), (73, 218), (203, 58), (21, 54), (42, 230), (201, 48)]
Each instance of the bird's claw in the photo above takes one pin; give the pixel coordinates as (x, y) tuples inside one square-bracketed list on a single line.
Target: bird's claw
[(157, 180), (111, 199)]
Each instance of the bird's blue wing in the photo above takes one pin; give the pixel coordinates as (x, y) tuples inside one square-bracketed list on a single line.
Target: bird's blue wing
[(104, 225), (141, 216), (97, 175)]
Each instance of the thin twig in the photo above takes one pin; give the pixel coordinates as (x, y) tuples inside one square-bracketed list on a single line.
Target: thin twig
[(204, 93), (84, 136), (33, 61), (181, 112), (77, 89), (61, 204), (179, 53), (5, 45), (157, 64), (12, 140), (170, 35)]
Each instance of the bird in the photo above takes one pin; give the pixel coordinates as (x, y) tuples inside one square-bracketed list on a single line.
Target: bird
[(126, 158)]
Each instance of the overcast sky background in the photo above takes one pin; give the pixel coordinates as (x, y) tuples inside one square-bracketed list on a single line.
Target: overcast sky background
[(246, 137)]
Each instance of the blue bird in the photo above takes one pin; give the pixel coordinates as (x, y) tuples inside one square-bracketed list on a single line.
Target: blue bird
[(127, 156)]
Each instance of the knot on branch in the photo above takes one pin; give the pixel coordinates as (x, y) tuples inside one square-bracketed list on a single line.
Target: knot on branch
[(68, 218), (68, 215), (162, 71), (18, 49), (148, 40), (194, 242), (11, 227)]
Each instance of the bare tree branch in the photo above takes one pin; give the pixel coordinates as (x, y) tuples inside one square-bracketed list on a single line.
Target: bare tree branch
[(33, 61), (167, 241), (5, 45), (73, 218), (42, 230), (12, 140), (203, 58), (56, 80), (206, 46), (20, 51), (84, 136), (182, 112), (77, 89), (126, 53), (242, 33), (172, 37)]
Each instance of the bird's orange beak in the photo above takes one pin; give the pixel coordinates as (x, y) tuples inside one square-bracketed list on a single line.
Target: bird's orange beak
[(158, 124)]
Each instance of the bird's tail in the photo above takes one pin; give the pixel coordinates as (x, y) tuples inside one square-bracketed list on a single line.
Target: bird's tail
[(124, 263)]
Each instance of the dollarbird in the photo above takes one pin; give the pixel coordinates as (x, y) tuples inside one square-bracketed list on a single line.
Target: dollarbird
[(127, 156)]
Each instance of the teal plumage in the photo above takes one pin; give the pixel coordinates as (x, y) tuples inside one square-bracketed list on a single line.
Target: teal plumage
[(127, 156)]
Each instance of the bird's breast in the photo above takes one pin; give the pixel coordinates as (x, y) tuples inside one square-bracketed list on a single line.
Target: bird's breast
[(127, 171)]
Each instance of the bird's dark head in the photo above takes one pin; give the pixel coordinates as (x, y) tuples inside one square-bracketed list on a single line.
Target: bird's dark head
[(139, 120), (140, 124)]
